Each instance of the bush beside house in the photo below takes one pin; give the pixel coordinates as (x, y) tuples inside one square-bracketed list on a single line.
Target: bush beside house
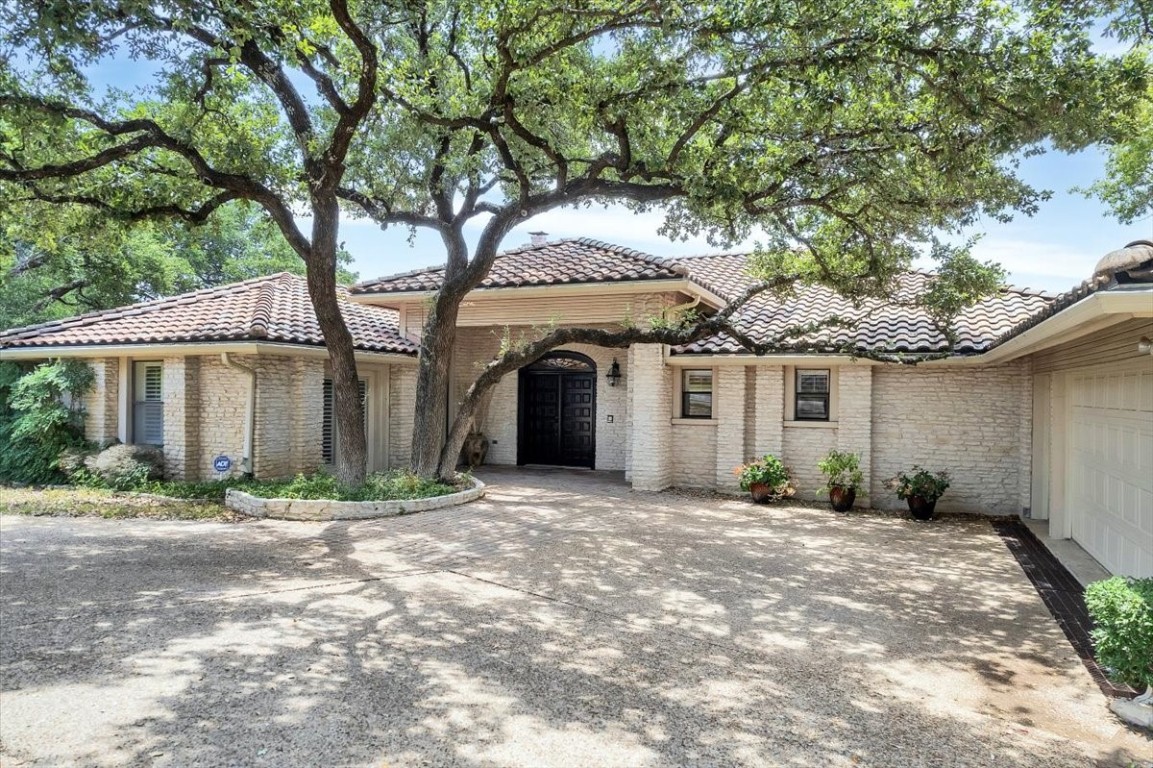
[(1122, 610)]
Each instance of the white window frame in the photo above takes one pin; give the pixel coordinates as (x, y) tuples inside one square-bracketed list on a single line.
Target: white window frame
[(679, 399), (791, 396), (139, 396)]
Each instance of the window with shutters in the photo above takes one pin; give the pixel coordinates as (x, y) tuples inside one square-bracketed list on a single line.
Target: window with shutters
[(328, 424), (148, 403)]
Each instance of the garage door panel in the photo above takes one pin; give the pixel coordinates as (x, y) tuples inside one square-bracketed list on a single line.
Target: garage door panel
[(1111, 467)]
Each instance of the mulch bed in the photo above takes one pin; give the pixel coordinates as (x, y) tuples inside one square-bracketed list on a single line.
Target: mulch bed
[(1063, 596)]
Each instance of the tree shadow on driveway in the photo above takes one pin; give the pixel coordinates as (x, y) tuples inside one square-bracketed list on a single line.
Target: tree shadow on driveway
[(543, 626)]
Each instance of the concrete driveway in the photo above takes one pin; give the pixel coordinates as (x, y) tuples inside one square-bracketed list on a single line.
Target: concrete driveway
[(563, 620)]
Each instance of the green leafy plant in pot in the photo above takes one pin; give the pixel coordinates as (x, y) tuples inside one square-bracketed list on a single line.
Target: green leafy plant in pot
[(766, 479), (842, 470), (920, 488)]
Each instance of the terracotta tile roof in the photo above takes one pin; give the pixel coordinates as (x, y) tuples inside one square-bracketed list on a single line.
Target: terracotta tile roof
[(556, 263), (274, 308), (879, 326)]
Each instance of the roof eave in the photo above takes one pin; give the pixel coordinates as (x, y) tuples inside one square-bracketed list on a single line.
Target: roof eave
[(392, 299), (184, 349), (1089, 315)]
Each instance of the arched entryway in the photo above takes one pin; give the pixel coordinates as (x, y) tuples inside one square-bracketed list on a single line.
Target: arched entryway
[(556, 416)]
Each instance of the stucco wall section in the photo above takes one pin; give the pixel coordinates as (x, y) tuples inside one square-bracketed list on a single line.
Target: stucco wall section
[(729, 405), (223, 403), (964, 420), (651, 406), (101, 403), (401, 414), (180, 385)]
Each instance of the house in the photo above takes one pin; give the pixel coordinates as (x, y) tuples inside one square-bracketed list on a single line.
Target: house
[(1043, 408)]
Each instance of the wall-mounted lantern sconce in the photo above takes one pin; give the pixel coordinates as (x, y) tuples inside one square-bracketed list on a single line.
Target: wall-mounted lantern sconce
[(1145, 346), (614, 374)]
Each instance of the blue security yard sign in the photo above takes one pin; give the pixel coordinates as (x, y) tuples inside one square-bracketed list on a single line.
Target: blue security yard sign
[(222, 463)]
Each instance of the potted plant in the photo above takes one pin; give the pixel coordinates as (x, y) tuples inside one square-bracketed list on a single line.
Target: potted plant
[(843, 472), (921, 489), (766, 478)]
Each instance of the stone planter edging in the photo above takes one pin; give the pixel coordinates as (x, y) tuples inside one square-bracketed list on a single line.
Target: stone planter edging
[(325, 509)]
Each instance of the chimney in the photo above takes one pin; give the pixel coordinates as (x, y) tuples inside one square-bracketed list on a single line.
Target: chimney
[(538, 238)]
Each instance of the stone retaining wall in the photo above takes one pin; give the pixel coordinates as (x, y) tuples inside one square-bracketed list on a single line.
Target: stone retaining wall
[(324, 509)]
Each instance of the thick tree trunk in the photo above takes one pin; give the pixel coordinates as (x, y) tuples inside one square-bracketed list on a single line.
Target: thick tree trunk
[(432, 386), (462, 425), (348, 411)]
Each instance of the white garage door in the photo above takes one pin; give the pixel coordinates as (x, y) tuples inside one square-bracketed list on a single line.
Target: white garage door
[(1111, 465)]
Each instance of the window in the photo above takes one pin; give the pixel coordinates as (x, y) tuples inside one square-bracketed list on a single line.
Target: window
[(812, 395), (697, 394), (148, 404), (328, 424)]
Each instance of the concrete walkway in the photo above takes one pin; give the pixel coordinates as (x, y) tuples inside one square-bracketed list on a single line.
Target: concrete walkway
[(563, 620)]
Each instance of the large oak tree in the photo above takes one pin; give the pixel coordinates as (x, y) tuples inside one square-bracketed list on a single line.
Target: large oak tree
[(848, 131)]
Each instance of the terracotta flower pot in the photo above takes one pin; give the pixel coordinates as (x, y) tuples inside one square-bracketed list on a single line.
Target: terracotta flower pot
[(761, 492), (842, 497), (921, 508)]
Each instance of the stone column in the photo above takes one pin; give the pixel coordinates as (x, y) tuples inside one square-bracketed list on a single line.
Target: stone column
[(855, 416), (307, 406), (770, 411), (181, 390), (650, 414), (1025, 437), (729, 411), (102, 402)]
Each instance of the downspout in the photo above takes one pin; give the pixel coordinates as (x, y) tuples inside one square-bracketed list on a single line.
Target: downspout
[(246, 463), (678, 308)]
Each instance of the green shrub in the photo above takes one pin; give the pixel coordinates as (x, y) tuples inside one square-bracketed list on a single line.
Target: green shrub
[(842, 468), (1122, 610), (389, 486), (397, 485), (40, 418), (767, 470), (920, 482)]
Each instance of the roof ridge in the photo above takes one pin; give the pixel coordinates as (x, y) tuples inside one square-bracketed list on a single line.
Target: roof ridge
[(140, 307), (389, 278)]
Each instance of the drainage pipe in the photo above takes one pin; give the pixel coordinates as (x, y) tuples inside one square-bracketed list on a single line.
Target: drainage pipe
[(246, 463)]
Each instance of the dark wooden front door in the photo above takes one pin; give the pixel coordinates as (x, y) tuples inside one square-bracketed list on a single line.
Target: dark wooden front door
[(557, 418)]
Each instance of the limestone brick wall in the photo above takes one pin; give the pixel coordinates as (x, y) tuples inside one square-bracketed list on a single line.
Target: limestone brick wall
[(803, 447), (274, 407), (181, 385), (476, 346), (694, 450), (769, 410), (289, 412), (973, 422), (401, 413), (102, 402), (307, 406), (222, 401), (855, 417), (651, 408), (729, 409)]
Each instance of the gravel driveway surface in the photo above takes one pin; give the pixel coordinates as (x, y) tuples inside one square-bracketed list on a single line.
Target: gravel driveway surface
[(564, 620)]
